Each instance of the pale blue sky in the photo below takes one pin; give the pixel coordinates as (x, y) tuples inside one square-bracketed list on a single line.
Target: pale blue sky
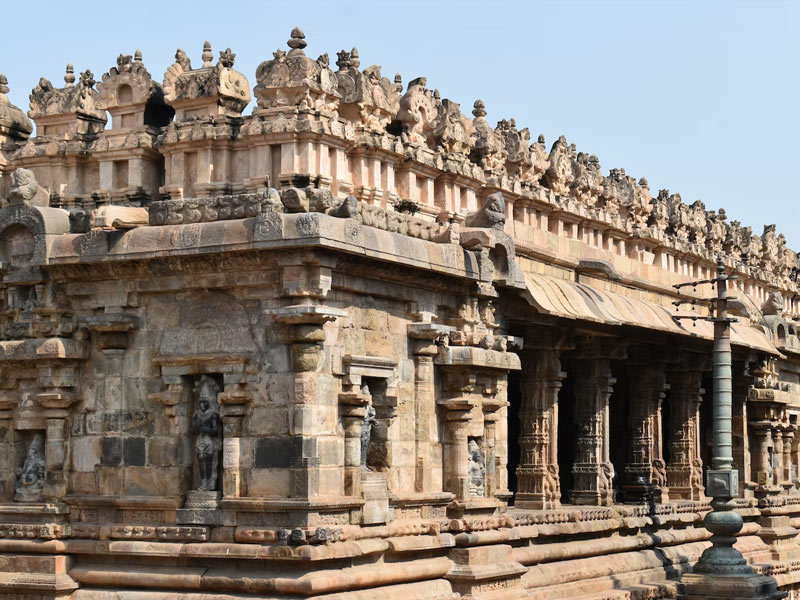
[(698, 97)]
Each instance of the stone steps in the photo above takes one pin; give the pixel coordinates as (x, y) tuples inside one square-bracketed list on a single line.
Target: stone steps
[(664, 590)]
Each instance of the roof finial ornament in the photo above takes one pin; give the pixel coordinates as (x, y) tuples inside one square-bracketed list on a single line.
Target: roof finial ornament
[(354, 58), (207, 56), (297, 41), (137, 56), (3, 89), (479, 108), (69, 77), (226, 58)]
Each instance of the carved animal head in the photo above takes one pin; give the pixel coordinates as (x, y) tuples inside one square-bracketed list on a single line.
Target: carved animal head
[(23, 186)]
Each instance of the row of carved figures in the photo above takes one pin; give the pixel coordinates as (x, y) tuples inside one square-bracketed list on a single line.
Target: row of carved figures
[(422, 119)]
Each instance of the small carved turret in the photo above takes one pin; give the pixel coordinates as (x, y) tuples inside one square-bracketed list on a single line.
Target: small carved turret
[(69, 110), (210, 90), (129, 93), (295, 80)]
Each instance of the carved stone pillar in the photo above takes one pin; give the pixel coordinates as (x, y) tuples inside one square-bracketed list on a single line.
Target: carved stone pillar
[(56, 412), (647, 384), (306, 336), (7, 463), (353, 408), (456, 466), (593, 473), (425, 333), (685, 469), (762, 464), (233, 400), (425, 417), (795, 460), (788, 441), (777, 456), (538, 484), (768, 410), (474, 363), (490, 419)]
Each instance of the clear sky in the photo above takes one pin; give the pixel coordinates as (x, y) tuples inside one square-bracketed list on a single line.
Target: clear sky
[(698, 97)]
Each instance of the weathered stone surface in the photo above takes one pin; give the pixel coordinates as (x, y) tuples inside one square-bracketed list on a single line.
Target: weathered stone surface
[(242, 350)]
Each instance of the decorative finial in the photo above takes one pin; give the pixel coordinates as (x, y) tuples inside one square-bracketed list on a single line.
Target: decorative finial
[(398, 79), (643, 183), (354, 58), (541, 139), (207, 56), (69, 78), (297, 41), (87, 79), (137, 56), (3, 87), (436, 94), (226, 58), (479, 109)]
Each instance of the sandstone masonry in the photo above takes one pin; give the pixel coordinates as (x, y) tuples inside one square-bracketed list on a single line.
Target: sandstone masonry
[(356, 344)]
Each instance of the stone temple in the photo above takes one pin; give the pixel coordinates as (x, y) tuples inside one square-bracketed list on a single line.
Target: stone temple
[(357, 344)]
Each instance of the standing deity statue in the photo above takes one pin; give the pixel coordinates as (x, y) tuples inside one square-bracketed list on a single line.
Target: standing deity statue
[(477, 470), (30, 478), (366, 434), (206, 423)]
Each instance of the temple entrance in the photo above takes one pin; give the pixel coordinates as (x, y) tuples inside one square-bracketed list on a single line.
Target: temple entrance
[(618, 427), (567, 435)]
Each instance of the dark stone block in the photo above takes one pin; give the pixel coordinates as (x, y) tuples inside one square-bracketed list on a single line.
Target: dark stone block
[(274, 453), (134, 451), (112, 452)]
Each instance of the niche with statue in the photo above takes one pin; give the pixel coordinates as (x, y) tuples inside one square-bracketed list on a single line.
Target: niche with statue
[(206, 427), (31, 468)]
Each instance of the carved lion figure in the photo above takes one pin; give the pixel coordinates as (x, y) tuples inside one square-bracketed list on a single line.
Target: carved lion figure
[(773, 304), (25, 189)]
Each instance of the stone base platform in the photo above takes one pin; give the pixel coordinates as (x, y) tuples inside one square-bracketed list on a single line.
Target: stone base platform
[(701, 586)]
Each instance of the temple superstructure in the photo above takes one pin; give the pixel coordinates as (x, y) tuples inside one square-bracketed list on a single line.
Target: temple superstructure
[(354, 343)]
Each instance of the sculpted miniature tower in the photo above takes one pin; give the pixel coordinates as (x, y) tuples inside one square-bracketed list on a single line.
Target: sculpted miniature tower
[(208, 103), (130, 166), (67, 121)]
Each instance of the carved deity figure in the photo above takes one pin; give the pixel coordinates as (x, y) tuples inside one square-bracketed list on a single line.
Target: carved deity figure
[(366, 435), (30, 478), (206, 423), (477, 470)]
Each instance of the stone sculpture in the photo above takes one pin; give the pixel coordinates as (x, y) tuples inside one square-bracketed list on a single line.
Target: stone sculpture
[(477, 469), (206, 423), (30, 478), (366, 435), (491, 215), (25, 189)]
